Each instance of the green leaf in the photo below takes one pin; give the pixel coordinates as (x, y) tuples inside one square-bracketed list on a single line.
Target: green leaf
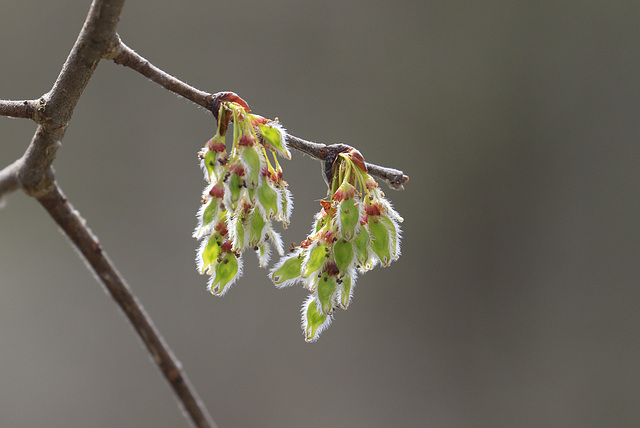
[(346, 292), (313, 320), (268, 198), (239, 233), (343, 253), (235, 186), (326, 290), (362, 246), (210, 162), (210, 212), (393, 236), (251, 158), (289, 270), (273, 136), (315, 260), (255, 228), (211, 252), (226, 271), (349, 217), (380, 240)]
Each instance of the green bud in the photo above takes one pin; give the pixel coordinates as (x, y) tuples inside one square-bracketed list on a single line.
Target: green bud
[(226, 271), (289, 270), (315, 260), (210, 162), (343, 253), (313, 320), (211, 252), (209, 213), (362, 246), (326, 290), (252, 159), (273, 136), (345, 295), (380, 239), (235, 186), (268, 198), (349, 218), (255, 228)]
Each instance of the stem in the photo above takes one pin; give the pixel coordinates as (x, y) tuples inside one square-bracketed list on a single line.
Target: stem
[(74, 227), (22, 109)]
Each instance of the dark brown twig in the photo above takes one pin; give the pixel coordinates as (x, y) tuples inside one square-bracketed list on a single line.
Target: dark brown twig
[(124, 55), (74, 227)]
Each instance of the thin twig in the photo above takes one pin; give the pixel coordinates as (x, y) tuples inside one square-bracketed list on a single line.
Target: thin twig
[(124, 55), (23, 109), (74, 227)]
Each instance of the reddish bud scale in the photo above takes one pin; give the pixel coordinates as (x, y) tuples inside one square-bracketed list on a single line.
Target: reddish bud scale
[(236, 168), (264, 171), (216, 146), (371, 184), (332, 268), (227, 247), (217, 191), (305, 243), (373, 209), (258, 120), (222, 228), (247, 140)]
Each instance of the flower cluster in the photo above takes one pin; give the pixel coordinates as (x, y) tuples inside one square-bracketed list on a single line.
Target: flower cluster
[(245, 193), (356, 229)]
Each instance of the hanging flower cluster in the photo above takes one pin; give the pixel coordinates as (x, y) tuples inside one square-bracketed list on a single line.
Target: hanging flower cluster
[(356, 229), (245, 193)]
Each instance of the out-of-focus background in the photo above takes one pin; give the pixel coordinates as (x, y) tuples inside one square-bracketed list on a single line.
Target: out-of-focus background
[(516, 300)]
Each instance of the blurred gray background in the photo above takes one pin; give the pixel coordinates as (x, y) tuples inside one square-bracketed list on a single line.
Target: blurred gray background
[(515, 302)]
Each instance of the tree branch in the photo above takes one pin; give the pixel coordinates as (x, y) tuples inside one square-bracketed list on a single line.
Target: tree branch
[(81, 237), (56, 107), (34, 174), (124, 55), (22, 109)]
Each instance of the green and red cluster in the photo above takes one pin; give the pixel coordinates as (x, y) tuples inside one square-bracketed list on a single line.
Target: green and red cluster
[(245, 193), (356, 229)]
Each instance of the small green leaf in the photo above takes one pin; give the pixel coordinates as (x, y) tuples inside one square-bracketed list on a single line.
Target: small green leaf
[(235, 186), (252, 159), (349, 217), (226, 271), (210, 212), (326, 290), (268, 198), (346, 292), (272, 136), (315, 260), (239, 233), (255, 228), (362, 246), (380, 239), (393, 236), (289, 270), (313, 321), (210, 162), (211, 252), (343, 253)]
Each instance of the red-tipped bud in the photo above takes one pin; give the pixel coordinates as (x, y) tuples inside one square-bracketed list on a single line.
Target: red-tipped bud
[(216, 145), (373, 209), (217, 191), (247, 140)]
